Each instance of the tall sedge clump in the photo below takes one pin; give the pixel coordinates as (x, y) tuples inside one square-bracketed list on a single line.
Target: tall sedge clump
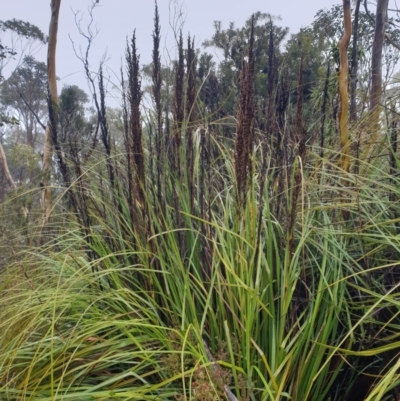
[(190, 115), (156, 92), (343, 91), (52, 82), (245, 124), (135, 127)]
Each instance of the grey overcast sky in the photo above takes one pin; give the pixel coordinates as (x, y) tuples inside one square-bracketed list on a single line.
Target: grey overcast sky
[(116, 19)]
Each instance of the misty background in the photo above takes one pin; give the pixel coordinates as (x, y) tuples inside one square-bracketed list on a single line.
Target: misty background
[(116, 20)]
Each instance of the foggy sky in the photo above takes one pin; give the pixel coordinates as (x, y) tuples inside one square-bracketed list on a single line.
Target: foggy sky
[(116, 19)]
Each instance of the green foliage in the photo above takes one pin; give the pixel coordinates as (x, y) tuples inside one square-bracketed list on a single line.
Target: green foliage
[(74, 126), (6, 52), (25, 157), (24, 28), (140, 321), (30, 80), (6, 120), (24, 95)]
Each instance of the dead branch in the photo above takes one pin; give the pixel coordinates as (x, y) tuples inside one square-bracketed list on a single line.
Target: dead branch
[(228, 392)]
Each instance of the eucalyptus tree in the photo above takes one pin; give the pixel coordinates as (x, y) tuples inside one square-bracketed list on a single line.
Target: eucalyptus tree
[(50, 132), (17, 40), (363, 56), (74, 124), (23, 96), (377, 49)]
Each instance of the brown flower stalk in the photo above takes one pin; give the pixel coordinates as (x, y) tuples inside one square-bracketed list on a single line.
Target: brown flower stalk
[(156, 92), (190, 116), (300, 138), (135, 96), (178, 107), (104, 131)]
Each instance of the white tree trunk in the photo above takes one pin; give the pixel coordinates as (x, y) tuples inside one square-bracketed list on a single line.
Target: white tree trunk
[(48, 143), (6, 171)]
